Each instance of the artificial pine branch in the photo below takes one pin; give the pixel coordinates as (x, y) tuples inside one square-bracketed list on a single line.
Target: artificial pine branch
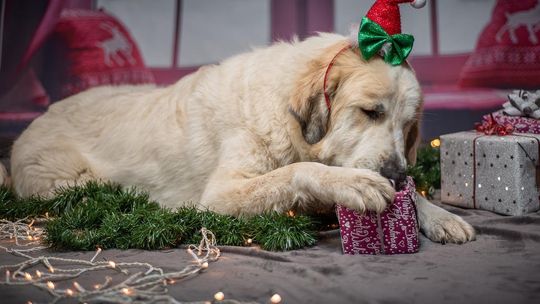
[(427, 171), (105, 215)]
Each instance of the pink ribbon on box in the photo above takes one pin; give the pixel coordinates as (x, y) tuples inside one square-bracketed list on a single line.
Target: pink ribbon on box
[(492, 127), (380, 234), (520, 124)]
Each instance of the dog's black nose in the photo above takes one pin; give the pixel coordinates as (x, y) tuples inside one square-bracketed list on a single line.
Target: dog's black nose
[(395, 173)]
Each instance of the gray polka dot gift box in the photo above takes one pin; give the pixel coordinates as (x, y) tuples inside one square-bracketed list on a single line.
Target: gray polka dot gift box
[(491, 172), (394, 231)]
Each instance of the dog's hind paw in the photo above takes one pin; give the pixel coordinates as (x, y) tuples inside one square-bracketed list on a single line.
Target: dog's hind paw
[(448, 228)]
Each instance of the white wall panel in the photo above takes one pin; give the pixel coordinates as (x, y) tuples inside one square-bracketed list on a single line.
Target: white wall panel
[(152, 25), (213, 30), (414, 21), (461, 22)]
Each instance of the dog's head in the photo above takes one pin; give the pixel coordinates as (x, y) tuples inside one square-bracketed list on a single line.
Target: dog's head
[(374, 116)]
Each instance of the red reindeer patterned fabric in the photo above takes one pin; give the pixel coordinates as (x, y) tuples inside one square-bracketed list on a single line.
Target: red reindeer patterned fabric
[(507, 54), (93, 48)]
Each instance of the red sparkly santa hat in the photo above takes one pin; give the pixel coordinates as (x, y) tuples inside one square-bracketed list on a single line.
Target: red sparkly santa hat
[(386, 14), (380, 31)]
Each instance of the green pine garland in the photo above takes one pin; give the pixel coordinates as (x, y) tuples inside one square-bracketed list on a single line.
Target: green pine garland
[(105, 215), (427, 171)]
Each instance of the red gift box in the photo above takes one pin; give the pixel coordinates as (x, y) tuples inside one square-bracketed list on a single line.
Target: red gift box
[(520, 124), (394, 231)]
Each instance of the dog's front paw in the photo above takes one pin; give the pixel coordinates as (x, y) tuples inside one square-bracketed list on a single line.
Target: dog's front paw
[(446, 227), (363, 189)]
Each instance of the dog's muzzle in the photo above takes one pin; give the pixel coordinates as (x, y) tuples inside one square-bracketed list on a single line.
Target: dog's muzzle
[(396, 173)]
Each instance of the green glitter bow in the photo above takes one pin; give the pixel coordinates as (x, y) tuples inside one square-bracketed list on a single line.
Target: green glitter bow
[(372, 38)]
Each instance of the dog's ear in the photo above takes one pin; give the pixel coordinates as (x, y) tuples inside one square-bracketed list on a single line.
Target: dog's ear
[(412, 141), (312, 115), (307, 103)]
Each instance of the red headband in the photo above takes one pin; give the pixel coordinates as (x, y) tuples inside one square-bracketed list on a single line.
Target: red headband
[(326, 96)]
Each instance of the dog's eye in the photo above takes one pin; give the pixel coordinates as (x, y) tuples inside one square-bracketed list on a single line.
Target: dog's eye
[(372, 114)]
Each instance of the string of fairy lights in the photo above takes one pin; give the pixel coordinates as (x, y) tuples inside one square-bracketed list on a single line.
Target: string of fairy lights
[(141, 282)]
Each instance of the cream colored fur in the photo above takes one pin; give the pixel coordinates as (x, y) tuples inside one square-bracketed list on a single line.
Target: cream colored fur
[(249, 135)]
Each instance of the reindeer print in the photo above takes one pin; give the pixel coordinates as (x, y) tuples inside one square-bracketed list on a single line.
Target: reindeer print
[(530, 19), (115, 46)]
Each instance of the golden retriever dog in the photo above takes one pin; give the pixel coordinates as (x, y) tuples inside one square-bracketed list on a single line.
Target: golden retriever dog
[(249, 135)]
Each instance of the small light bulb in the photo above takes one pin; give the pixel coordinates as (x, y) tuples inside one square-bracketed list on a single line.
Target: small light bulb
[(27, 276), (126, 291), (436, 143), (69, 292), (30, 238), (50, 285), (97, 286), (466, 184), (290, 213), (219, 296), (498, 178), (275, 299), (112, 264), (51, 269), (479, 185), (38, 273), (204, 265), (249, 241)]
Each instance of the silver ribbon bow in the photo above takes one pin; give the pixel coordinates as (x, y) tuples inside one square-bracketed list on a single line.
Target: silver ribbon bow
[(523, 103)]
